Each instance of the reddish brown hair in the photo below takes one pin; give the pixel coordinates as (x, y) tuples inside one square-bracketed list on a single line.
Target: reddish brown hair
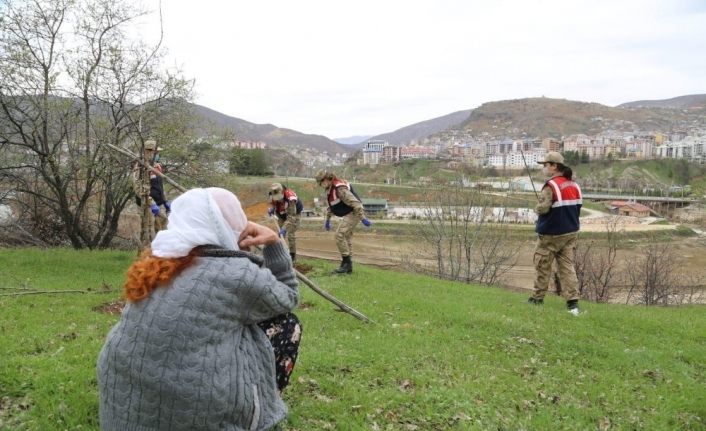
[(148, 271)]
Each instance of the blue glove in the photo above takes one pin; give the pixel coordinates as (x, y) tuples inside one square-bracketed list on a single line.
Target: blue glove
[(168, 206), (271, 211), (327, 225), (366, 222), (155, 209), (282, 232)]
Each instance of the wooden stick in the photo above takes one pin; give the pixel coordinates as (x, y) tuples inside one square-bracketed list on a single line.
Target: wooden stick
[(37, 292), (350, 310), (139, 160), (355, 313)]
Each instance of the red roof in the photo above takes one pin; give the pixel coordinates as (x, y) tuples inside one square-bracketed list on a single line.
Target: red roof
[(636, 207)]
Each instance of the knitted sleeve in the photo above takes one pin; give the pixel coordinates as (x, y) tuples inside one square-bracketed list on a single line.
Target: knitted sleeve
[(259, 293)]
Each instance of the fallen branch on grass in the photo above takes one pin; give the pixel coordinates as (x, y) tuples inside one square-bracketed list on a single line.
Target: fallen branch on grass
[(37, 292)]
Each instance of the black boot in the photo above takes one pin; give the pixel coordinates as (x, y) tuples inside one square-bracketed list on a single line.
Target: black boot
[(346, 266), (294, 257)]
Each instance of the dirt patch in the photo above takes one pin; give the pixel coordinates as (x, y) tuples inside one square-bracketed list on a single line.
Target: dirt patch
[(303, 268), (256, 211), (304, 305), (113, 308), (392, 251)]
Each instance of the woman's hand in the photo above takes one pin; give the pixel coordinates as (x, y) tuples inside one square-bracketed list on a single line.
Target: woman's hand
[(255, 234)]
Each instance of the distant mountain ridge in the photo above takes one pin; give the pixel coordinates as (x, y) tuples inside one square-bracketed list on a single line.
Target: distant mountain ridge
[(352, 140), (545, 117), (423, 129), (681, 102), (272, 135)]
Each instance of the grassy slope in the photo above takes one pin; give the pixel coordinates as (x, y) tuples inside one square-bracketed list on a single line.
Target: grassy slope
[(442, 355)]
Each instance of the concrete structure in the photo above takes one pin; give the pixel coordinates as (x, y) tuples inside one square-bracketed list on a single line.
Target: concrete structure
[(416, 152), (372, 151), (375, 206), (691, 147), (248, 145), (517, 160), (390, 154)]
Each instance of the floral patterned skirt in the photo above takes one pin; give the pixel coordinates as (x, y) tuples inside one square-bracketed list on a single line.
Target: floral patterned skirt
[(284, 332)]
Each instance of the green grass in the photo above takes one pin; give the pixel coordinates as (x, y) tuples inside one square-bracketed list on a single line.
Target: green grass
[(49, 343), (441, 355)]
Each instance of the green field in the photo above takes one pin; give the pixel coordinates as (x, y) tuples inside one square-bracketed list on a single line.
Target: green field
[(441, 355)]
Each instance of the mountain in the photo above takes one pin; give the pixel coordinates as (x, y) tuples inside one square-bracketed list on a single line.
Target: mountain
[(544, 117), (216, 122), (352, 140), (681, 102), (423, 129)]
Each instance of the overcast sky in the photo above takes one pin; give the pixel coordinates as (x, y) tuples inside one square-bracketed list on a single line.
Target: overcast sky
[(365, 67)]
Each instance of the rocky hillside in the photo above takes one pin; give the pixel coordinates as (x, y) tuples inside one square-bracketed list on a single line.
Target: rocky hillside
[(544, 117)]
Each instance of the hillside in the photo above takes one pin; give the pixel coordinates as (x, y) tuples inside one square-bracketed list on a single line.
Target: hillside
[(441, 355), (682, 102), (544, 117), (216, 122), (423, 129)]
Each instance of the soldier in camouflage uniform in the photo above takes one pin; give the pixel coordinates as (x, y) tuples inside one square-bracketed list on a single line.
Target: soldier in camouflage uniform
[(287, 207), (558, 229), (151, 191), (342, 202)]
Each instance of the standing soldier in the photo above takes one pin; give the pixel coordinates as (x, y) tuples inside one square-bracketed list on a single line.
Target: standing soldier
[(288, 208), (156, 196), (344, 203), (558, 229)]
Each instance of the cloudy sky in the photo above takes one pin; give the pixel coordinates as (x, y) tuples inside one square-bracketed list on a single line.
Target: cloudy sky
[(365, 67)]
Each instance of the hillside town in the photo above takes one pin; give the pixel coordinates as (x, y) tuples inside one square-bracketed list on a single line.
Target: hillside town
[(515, 153)]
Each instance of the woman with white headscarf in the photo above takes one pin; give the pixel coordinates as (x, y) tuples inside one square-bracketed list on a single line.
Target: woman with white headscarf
[(187, 353)]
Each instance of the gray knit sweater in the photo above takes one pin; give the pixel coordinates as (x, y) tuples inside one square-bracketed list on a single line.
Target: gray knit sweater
[(191, 357)]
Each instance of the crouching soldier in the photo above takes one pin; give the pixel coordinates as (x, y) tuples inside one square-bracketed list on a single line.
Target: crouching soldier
[(342, 202), (288, 208)]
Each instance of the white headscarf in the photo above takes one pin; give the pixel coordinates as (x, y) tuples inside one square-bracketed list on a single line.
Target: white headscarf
[(201, 217)]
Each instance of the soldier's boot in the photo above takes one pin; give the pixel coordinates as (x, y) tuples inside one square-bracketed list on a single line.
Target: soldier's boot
[(346, 266), (294, 257)]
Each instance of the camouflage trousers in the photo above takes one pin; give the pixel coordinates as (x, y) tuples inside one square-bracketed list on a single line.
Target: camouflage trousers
[(291, 233), (559, 248), (344, 234)]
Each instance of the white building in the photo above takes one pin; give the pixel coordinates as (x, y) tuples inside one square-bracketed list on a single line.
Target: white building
[(517, 159), (692, 148), (372, 151)]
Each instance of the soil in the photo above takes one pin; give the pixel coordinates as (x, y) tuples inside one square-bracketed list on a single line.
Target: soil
[(114, 308), (393, 251)]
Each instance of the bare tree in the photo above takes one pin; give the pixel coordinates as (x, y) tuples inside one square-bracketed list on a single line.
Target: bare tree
[(652, 277), (465, 236), (595, 264), (64, 92)]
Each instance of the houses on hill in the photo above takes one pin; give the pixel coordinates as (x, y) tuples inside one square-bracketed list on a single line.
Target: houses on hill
[(461, 147)]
